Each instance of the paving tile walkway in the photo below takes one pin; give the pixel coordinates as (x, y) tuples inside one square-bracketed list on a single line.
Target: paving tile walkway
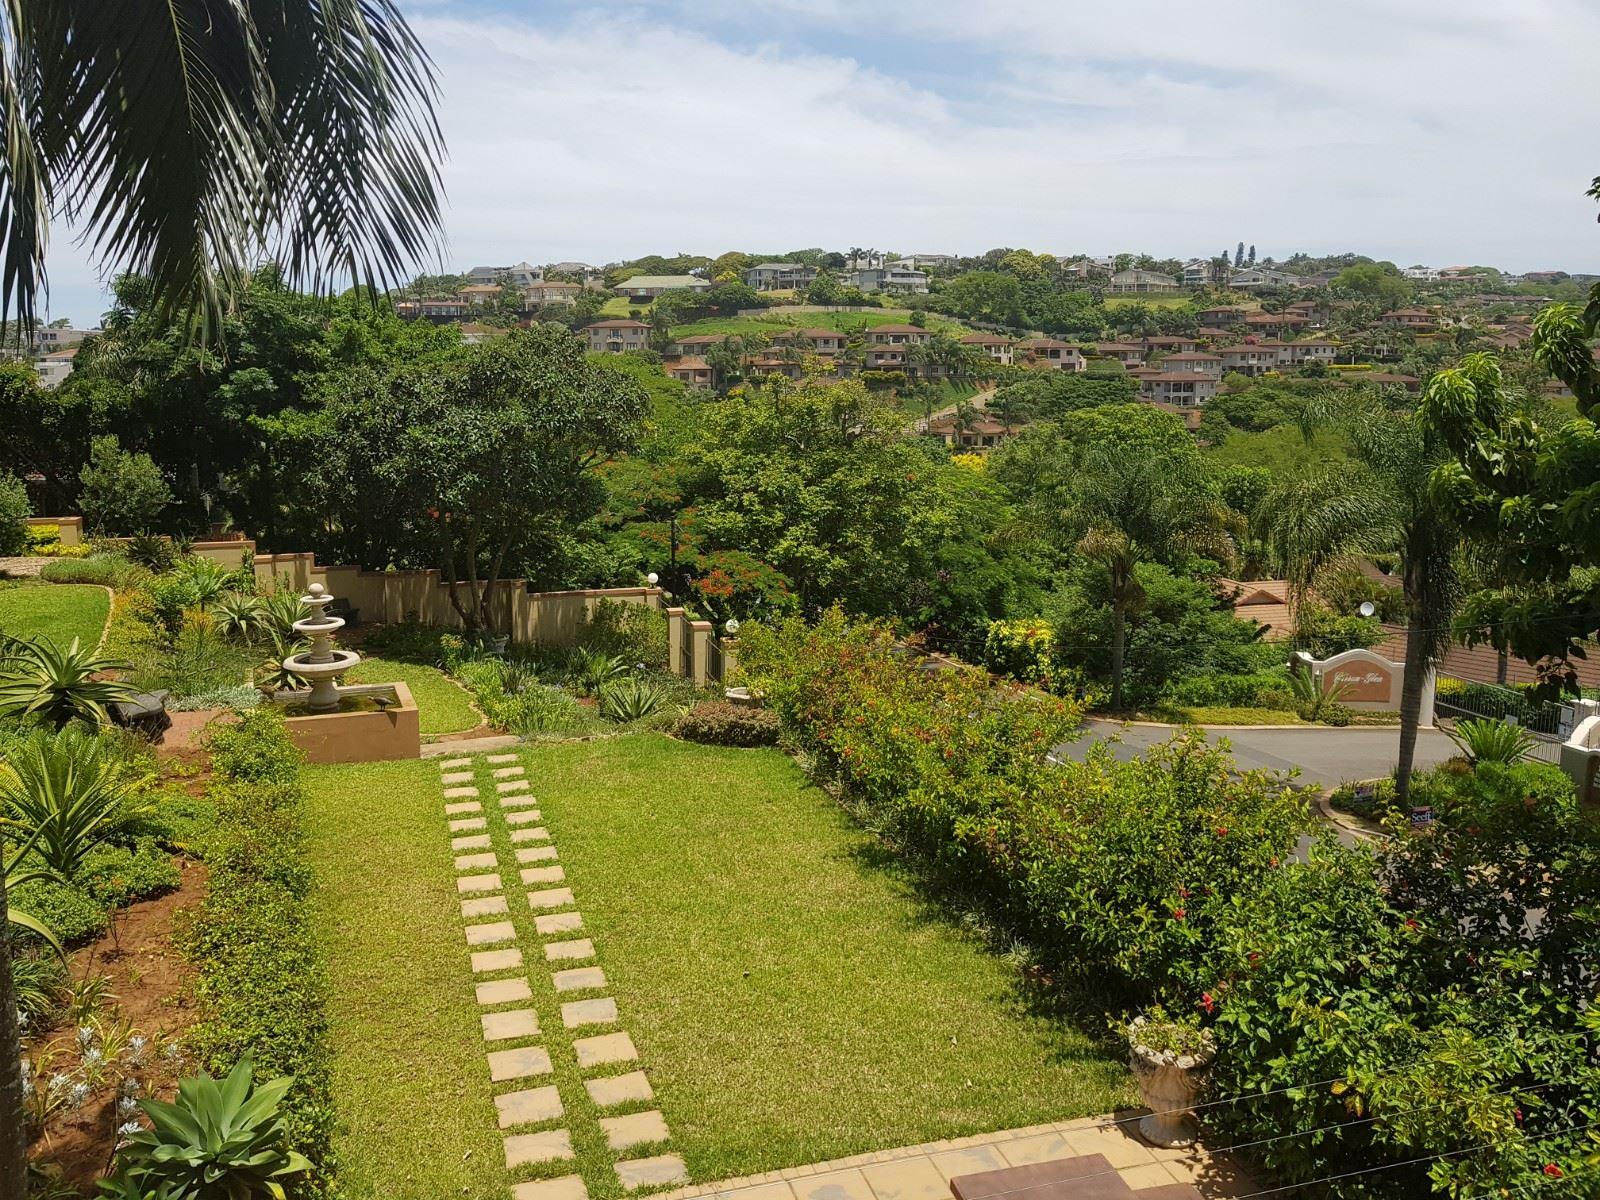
[(542, 1128), (924, 1172)]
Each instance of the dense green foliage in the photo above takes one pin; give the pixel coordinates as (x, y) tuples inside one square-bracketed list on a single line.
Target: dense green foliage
[(1447, 1032), (14, 514), (718, 723), (261, 982)]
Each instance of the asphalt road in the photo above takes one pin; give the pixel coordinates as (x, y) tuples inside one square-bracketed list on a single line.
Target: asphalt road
[(1326, 757)]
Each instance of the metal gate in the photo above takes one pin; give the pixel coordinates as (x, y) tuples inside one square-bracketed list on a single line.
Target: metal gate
[(1549, 721)]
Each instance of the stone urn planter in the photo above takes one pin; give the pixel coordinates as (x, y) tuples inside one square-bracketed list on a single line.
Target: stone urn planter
[(1171, 1073)]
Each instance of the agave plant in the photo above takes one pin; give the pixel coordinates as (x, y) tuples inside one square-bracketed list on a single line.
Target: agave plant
[(66, 793), (14, 875), (272, 674), (1483, 740), (205, 581), (590, 670), (279, 611), (1312, 696), (43, 680), (237, 614), (632, 698), (227, 1140)]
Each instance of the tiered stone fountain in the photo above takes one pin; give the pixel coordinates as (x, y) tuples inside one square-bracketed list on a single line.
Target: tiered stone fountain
[(379, 722), (322, 665)]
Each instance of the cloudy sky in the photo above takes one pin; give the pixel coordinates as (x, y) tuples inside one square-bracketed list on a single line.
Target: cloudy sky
[(1431, 131)]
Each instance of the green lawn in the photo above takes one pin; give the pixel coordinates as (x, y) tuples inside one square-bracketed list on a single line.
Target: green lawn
[(57, 611), (442, 704), (791, 997), (414, 1101)]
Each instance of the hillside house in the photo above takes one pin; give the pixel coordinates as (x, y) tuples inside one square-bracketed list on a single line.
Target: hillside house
[(695, 343), (980, 432), (694, 371), (1129, 354), (47, 339), (55, 366), (477, 294), (1052, 353), (1249, 359), (617, 336), (1137, 281), (648, 287), (889, 278), (897, 335), (551, 292), (996, 347), (435, 308), (1182, 389), (926, 262), (1168, 345), (1255, 279), (1265, 322), (826, 342), (1417, 320), (779, 276), (1221, 317), (1194, 361), (1307, 350)]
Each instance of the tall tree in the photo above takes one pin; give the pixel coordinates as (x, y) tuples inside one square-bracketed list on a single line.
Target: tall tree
[(465, 460), (190, 140), (1377, 503), (1251, 257), (1238, 256)]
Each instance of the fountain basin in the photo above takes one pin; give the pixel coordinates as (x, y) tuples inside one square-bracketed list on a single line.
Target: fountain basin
[(359, 728)]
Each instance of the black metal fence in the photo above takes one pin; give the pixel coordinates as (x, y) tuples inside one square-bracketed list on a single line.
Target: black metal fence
[(1549, 721)]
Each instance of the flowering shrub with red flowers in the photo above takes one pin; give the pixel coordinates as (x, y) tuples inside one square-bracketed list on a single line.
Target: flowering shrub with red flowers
[(1116, 870)]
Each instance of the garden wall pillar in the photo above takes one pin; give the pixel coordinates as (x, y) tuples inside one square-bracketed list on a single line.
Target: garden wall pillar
[(700, 636), (677, 632)]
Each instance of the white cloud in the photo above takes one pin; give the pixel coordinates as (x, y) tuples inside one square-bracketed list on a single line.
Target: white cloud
[(1431, 130)]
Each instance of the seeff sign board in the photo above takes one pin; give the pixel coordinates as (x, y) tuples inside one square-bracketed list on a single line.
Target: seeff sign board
[(1366, 681)]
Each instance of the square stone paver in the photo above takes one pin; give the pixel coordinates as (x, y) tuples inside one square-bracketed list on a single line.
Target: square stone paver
[(518, 1064), (579, 979), (548, 923), (907, 1179), (635, 1129), (499, 758), (489, 934), (502, 1026), (562, 951), (1044, 1147), (476, 862), (484, 906), (528, 835), (542, 874), (529, 1107), (462, 807), (835, 1185), (496, 960), (550, 898), (533, 854), (503, 991), (461, 793), (619, 1089), (968, 1161), (575, 1013), (662, 1169), (463, 824), (605, 1048), (452, 778), (506, 772), (549, 1146), (508, 786), (1119, 1145), (471, 841), (568, 1187), (455, 764), (520, 800), (477, 883)]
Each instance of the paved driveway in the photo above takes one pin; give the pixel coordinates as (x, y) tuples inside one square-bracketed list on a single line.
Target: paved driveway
[(1326, 757)]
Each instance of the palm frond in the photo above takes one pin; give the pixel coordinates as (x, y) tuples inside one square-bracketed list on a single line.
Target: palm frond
[(191, 139)]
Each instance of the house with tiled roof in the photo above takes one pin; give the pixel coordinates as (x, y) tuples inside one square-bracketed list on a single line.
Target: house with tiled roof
[(1129, 354), (779, 276), (691, 369), (1052, 353), (1204, 364), (616, 336), (897, 335), (1182, 389), (1419, 320), (1136, 281), (648, 287), (996, 347)]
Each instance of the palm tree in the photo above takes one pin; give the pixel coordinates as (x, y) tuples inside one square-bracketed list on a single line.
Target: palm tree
[(1140, 505), (1380, 502), (190, 141)]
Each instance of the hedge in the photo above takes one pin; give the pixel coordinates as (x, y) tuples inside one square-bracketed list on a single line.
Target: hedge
[(262, 983)]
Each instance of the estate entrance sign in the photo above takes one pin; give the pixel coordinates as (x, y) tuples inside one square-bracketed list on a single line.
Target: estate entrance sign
[(1366, 681)]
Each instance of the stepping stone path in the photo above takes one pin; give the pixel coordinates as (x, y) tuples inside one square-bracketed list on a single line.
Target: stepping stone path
[(517, 1047)]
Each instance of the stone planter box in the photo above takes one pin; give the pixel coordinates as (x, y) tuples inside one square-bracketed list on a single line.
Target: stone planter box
[(343, 737)]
